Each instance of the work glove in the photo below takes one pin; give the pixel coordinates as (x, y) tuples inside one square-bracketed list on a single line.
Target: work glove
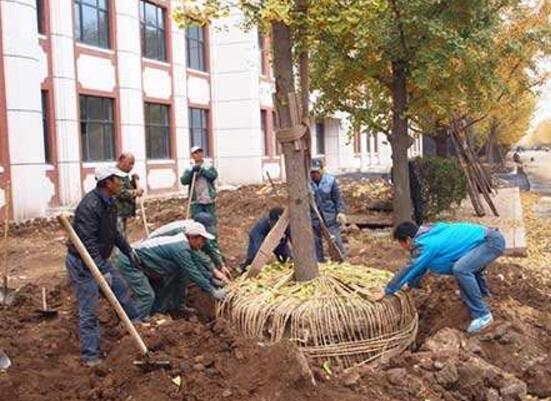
[(218, 283), (341, 218), (219, 294)]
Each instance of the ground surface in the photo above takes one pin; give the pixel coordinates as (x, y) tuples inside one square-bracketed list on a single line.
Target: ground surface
[(209, 362)]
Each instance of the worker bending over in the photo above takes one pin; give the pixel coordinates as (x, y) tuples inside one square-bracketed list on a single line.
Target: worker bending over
[(461, 249), (210, 249), (259, 232), (329, 201), (168, 265)]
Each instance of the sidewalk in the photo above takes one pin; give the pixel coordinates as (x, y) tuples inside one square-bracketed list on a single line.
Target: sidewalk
[(510, 221)]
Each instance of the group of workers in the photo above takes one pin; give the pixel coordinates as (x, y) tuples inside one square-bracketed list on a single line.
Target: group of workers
[(151, 276)]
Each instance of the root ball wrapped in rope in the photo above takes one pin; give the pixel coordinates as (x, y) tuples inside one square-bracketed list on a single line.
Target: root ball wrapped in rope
[(331, 318)]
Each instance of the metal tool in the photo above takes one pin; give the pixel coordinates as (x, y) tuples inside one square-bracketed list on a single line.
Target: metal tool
[(148, 362), (47, 313), (7, 294), (5, 361)]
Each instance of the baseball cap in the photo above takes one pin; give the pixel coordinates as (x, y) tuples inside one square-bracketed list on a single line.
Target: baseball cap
[(196, 228), (103, 172), (316, 165), (195, 149)]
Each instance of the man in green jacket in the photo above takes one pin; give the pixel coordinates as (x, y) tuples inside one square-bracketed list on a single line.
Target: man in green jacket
[(210, 250), (204, 191), (168, 263), (125, 200)]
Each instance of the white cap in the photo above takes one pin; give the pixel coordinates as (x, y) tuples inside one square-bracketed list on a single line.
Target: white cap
[(196, 228), (195, 149), (103, 172)]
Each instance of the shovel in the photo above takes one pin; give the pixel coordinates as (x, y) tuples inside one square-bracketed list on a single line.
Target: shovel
[(47, 313), (147, 363), (6, 293), (5, 361)]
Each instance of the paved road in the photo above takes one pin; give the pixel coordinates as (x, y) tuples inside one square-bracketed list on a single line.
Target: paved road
[(538, 170)]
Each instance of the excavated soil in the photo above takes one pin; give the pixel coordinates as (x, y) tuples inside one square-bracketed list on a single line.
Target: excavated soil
[(510, 361)]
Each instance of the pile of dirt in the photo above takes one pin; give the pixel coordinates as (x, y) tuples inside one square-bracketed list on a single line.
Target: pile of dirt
[(365, 195), (507, 361)]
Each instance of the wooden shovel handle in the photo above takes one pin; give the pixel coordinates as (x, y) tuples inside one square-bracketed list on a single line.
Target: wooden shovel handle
[(89, 262), (190, 196)]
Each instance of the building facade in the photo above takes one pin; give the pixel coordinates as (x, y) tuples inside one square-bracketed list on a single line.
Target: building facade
[(84, 80)]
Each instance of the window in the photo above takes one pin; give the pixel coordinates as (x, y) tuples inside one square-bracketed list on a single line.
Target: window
[(264, 132), (97, 128), (357, 141), (368, 142), (40, 16), (92, 22), (375, 142), (320, 138), (195, 48), (45, 127), (262, 54), (152, 21), (199, 128), (157, 131)]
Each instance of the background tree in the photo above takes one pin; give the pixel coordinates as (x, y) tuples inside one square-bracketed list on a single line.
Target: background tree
[(400, 65)]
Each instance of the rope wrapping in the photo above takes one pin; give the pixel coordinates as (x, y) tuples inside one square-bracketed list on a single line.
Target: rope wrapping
[(330, 318)]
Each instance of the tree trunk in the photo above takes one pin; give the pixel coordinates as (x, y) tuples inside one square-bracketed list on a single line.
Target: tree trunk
[(306, 267), (441, 142), (490, 144), (400, 141), (304, 79)]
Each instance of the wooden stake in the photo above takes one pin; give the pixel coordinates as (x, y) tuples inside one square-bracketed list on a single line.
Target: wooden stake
[(269, 244), (91, 265)]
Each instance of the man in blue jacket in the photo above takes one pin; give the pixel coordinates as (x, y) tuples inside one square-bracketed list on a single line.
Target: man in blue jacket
[(259, 232), (463, 250), (330, 204)]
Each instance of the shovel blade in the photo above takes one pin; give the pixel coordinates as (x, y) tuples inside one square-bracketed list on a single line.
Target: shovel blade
[(7, 296), (5, 361)]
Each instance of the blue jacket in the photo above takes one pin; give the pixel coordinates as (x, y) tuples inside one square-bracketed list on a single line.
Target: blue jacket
[(328, 198), (436, 248)]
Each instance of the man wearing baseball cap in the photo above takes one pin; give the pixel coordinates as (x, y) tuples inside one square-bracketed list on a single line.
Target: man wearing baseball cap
[(202, 190), (330, 203), (168, 265), (95, 223)]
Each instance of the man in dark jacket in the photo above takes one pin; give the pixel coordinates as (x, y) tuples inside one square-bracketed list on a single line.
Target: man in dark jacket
[(259, 232), (95, 223)]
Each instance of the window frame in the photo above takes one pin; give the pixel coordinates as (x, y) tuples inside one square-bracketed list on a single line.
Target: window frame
[(40, 16), (85, 149), (148, 125), (320, 150), (164, 29), (206, 129), (79, 7), (265, 133), (46, 115)]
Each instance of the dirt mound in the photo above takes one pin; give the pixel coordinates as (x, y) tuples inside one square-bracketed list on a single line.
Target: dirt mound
[(209, 362)]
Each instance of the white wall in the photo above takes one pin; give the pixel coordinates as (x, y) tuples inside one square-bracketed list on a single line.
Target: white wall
[(235, 78), (233, 90), (24, 65)]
